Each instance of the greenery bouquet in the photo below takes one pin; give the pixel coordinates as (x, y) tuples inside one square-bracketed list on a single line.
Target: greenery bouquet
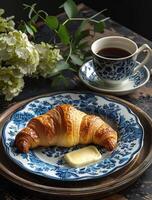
[(21, 56)]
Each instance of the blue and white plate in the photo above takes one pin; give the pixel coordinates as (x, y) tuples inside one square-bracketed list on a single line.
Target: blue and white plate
[(89, 77), (49, 162)]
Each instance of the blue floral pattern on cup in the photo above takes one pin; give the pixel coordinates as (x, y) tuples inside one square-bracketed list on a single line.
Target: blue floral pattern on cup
[(49, 162), (114, 69)]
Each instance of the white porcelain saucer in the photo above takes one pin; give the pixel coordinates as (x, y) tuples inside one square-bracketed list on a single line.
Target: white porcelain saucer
[(89, 77)]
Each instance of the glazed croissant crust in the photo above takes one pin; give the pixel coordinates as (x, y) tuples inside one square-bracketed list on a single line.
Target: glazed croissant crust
[(65, 126)]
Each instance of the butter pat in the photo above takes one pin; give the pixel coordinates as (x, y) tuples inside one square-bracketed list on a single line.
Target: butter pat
[(83, 156)]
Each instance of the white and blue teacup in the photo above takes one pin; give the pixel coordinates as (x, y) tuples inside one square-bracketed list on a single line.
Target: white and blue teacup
[(117, 70)]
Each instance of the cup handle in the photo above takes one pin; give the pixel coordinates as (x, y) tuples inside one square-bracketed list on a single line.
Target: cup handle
[(147, 49)]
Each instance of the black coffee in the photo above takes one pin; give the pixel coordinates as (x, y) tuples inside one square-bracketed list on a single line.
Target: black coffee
[(113, 52)]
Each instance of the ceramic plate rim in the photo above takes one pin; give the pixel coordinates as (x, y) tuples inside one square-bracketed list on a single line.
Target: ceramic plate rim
[(79, 178), (110, 90)]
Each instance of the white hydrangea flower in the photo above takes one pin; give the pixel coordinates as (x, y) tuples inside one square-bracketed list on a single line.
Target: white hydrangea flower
[(19, 57), (6, 24), (49, 56), (11, 82), (17, 50)]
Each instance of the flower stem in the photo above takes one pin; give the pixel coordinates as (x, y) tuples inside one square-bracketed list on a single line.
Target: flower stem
[(85, 19), (70, 51), (98, 13), (28, 6)]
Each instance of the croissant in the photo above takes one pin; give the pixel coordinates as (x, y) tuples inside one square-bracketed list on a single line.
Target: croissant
[(65, 126)]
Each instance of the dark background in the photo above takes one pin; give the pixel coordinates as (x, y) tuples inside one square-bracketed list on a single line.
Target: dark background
[(134, 14)]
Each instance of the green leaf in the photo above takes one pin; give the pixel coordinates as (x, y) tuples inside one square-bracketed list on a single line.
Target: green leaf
[(79, 30), (99, 27), (76, 59), (83, 45), (63, 34), (81, 27), (33, 28), (60, 81), (70, 8), (60, 66), (82, 35), (34, 19), (29, 30), (52, 22)]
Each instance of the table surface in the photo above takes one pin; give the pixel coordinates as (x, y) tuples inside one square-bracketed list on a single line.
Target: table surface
[(142, 188)]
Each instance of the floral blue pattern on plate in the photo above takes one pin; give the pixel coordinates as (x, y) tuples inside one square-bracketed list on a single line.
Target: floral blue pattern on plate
[(49, 162), (89, 77)]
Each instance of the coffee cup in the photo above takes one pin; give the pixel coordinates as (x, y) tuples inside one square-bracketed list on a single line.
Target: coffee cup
[(115, 58)]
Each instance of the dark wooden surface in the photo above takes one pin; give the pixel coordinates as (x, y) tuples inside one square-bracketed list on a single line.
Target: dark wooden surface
[(142, 188)]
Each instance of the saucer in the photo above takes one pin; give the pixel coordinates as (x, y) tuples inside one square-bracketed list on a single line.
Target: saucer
[(89, 77)]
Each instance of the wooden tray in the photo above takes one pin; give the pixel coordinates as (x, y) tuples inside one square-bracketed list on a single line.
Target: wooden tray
[(80, 189)]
